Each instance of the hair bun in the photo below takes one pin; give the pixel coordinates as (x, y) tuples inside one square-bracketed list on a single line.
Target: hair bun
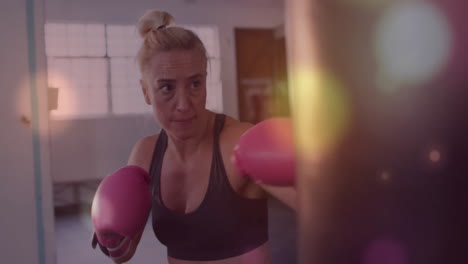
[(153, 20)]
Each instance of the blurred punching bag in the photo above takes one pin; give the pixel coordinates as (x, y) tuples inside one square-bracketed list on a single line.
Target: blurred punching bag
[(378, 96)]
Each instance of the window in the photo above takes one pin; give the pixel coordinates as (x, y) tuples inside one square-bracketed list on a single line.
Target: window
[(95, 70), (77, 66)]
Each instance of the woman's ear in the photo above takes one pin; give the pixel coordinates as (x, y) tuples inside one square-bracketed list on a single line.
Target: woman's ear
[(144, 89)]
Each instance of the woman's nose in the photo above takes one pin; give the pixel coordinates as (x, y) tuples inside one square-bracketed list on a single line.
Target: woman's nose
[(183, 102)]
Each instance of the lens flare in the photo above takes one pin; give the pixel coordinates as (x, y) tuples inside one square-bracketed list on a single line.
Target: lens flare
[(412, 43), (67, 97), (385, 176), (434, 156), (321, 112), (23, 102), (387, 251)]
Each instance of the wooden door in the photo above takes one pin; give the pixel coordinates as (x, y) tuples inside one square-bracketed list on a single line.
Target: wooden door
[(261, 74)]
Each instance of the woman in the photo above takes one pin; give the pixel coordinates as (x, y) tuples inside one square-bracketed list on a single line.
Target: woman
[(203, 210)]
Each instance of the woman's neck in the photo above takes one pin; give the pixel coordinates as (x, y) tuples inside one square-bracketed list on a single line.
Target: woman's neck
[(185, 148)]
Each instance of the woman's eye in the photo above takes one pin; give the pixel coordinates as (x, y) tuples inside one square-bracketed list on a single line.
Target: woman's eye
[(166, 88), (196, 84)]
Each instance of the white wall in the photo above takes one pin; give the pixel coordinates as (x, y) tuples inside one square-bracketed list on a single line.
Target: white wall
[(26, 232)]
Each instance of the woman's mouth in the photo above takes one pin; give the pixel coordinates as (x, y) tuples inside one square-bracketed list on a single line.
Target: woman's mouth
[(183, 121)]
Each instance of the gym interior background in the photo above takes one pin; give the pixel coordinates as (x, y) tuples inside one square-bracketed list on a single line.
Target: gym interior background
[(71, 106), (84, 50)]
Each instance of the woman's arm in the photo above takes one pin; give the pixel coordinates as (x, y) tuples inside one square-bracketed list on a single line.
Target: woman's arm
[(142, 152), (287, 195)]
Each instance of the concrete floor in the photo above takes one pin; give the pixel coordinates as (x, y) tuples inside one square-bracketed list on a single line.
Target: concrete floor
[(73, 239)]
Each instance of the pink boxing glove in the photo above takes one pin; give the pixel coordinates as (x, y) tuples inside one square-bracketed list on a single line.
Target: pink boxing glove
[(120, 210), (265, 153)]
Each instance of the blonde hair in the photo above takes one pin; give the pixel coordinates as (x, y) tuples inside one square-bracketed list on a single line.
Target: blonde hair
[(157, 36)]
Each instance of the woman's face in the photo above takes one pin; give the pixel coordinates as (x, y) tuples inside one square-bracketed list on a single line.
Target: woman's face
[(175, 85)]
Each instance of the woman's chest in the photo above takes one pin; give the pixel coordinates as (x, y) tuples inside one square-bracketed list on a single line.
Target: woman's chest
[(185, 185)]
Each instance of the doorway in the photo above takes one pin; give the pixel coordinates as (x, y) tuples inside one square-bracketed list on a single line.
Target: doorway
[(261, 74)]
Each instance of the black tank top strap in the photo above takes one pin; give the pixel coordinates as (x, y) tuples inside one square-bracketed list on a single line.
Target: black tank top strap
[(156, 164), (218, 127), (218, 176)]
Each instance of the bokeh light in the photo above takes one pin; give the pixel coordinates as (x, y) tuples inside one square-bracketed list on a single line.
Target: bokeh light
[(385, 176), (23, 102), (413, 42), (434, 155), (385, 251), (319, 104), (67, 94), (321, 112)]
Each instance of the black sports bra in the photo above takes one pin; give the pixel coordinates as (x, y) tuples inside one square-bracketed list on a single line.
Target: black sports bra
[(224, 225)]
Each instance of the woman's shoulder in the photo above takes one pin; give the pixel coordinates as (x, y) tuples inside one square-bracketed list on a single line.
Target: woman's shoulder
[(234, 128), (232, 131), (142, 151)]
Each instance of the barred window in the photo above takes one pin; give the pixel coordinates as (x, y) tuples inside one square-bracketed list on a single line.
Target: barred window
[(95, 70)]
